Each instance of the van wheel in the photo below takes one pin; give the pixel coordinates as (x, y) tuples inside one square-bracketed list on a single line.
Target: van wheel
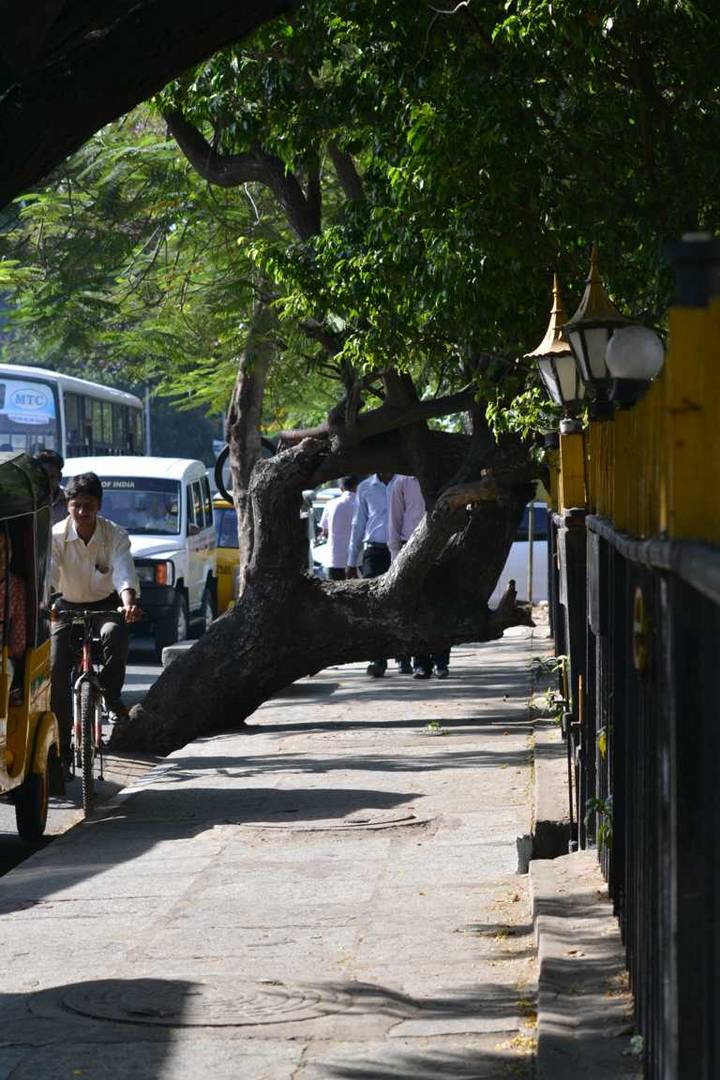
[(31, 806), (174, 627), (208, 611)]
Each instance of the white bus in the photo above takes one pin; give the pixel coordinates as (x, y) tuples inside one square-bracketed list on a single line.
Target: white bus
[(43, 410)]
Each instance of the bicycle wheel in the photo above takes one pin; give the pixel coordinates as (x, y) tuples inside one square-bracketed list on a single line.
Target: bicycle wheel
[(87, 745)]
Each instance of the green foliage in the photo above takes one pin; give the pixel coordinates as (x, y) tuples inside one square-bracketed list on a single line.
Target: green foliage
[(494, 145), (602, 810)]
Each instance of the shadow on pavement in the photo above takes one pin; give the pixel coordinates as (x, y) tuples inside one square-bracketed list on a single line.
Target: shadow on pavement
[(129, 830), (50, 1035)]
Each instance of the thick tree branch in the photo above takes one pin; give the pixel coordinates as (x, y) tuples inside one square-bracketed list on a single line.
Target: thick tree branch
[(95, 62), (233, 170), (347, 174)]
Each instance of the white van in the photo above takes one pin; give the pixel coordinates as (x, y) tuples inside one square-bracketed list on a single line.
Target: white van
[(165, 505)]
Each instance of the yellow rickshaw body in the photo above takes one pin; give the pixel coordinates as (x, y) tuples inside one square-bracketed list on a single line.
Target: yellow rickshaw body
[(30, 768), (228, 556)]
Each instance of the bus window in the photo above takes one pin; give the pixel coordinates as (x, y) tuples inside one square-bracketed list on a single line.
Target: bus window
[(95, 410), (28, 415), (119, 436), (107, 427), (74, 424), (137, 445)]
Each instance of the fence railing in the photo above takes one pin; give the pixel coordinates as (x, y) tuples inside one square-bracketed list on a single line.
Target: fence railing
[(635, 605)]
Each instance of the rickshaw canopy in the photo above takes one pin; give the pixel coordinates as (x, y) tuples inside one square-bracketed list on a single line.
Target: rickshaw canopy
[(24, 486)]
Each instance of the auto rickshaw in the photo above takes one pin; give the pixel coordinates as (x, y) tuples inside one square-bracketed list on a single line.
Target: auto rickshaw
[(228, 555), (30, 766)]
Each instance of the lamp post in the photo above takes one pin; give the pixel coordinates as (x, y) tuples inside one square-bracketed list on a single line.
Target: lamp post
[(556, 362), (589, 332), (634, 357)]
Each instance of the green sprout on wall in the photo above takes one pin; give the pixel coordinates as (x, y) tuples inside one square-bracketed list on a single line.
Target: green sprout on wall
[(603, 810)]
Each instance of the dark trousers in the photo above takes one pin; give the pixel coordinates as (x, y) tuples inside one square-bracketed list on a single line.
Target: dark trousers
[(430, 660), (336, 573), (375, 561), (114, 647)]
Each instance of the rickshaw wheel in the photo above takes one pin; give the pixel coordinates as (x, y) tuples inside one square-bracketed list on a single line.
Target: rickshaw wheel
[(31, 806), (87, 748)]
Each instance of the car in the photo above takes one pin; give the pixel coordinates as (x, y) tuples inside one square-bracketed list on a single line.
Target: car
[(516, 565), (165, 505)]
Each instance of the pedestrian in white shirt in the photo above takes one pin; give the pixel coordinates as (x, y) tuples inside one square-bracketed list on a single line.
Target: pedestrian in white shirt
[(91, 568), (336, 525), (406, 509), (368, 538)]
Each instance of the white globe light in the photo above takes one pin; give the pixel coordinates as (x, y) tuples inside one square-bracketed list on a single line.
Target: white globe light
[(635, 352)]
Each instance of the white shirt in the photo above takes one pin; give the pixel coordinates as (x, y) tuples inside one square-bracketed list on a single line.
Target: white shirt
[(337, 518), (84, 573), (371, 517), (406, 509)]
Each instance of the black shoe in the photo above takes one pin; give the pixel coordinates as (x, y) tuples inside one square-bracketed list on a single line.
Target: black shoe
[(375, 670), (118, 711), (422, 674), (405, 667), (442, 673)]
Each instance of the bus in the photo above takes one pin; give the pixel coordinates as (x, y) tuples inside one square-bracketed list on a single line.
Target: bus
[(44, 410)]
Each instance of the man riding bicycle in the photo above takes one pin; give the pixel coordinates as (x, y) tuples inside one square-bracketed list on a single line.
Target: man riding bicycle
[(92, 568)]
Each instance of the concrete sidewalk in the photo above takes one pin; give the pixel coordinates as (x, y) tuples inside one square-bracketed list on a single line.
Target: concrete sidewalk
[(330, 894)]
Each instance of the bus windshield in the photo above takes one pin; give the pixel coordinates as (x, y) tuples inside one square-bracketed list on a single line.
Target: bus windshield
[(28, 415), (142, 505)]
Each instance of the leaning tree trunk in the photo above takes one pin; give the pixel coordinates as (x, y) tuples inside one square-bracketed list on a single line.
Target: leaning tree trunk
[(242, 429), (287, 624)]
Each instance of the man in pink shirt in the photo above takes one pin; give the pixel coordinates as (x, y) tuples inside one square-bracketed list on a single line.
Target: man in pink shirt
[(406, 509), (335, 525)]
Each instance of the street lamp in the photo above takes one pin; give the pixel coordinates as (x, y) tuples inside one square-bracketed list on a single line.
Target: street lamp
[(635, 356), (589, 332), (556, 362)]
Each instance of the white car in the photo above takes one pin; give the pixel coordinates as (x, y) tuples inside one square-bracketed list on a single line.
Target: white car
[(165, 505), (517, 564)]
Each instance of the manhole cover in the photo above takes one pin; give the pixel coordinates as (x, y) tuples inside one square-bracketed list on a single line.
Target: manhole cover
[(359, 819), (149, 1001)]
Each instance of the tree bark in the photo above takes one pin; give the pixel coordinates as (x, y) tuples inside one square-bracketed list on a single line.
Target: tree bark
[(242, 429), (287, 624), (66, 69)]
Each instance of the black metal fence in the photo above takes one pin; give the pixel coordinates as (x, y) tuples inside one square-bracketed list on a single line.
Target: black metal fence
[(645, 738)]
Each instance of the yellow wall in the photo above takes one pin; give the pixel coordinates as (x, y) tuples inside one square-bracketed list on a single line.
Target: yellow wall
[(655, 468)]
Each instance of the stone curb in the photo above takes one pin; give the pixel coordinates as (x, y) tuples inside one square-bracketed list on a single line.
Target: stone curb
[(585, 1009), (551, 816)]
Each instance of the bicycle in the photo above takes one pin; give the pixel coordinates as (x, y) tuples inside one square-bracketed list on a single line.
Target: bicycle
[(89, 706)]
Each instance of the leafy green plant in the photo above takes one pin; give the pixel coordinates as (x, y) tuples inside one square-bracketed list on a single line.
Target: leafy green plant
[(541, 667), (603, 810)]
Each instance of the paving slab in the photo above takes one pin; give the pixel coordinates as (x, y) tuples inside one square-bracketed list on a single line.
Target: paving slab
[(333, 893), (585, 1008)]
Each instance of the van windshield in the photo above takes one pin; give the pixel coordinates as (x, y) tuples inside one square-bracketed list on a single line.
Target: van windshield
[(142, 505)]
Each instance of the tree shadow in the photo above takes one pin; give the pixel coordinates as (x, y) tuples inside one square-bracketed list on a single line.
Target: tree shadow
[(129, 829), (186, 769), (46, 1034)]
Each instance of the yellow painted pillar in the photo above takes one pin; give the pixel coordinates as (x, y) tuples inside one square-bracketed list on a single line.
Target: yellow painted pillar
[(692, 410), (572, 472)]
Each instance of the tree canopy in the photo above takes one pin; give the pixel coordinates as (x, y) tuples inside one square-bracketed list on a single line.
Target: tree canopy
[(402, 180)]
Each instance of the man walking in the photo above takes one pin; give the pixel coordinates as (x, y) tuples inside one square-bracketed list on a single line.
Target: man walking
[(368, 537), (336, 525), (91, 568), (406, 509)]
